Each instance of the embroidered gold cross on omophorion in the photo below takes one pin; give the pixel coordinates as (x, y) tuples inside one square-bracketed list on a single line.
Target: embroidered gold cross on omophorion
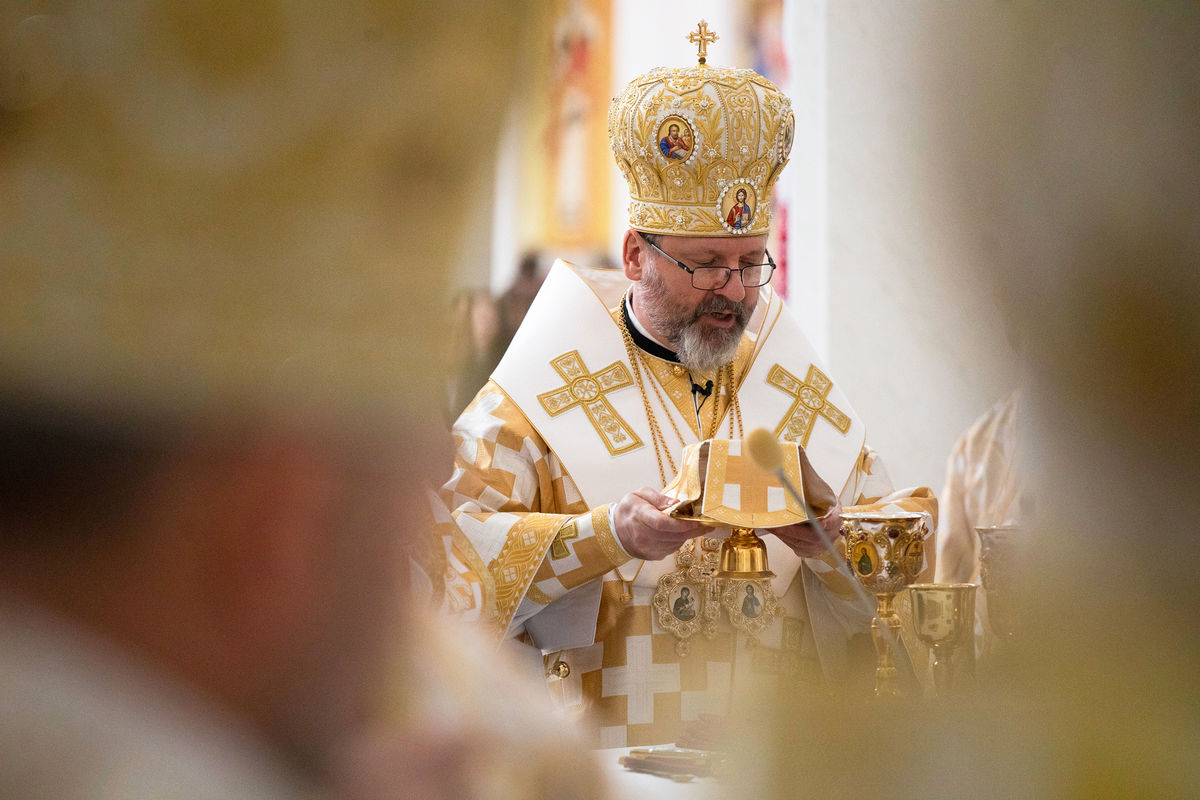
[(810, 401), (588, 390)]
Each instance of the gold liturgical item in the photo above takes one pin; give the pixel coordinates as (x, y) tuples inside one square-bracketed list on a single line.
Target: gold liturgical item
[(1001, 568), (720, 485), (744, 555), (944, 619), (885, 552)]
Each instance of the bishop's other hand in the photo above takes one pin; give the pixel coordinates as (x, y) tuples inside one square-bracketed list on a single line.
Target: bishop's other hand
[(648, 532)]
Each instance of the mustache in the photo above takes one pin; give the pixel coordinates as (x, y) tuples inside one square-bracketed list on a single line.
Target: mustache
[(715, 304)]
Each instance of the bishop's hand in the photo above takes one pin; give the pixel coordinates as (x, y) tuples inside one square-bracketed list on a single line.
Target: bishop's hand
[(646, 531), (804, 539)]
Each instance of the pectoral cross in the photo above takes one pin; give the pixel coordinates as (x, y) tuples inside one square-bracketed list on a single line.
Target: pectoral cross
[(702, 37)]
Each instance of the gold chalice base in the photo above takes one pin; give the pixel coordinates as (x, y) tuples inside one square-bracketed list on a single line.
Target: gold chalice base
[(744, 556)]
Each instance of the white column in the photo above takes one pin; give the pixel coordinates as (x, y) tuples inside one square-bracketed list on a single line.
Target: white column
[(805, 181), (507, 193)]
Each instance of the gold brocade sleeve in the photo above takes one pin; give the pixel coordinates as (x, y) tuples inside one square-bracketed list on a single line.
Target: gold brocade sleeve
[(519, 535)]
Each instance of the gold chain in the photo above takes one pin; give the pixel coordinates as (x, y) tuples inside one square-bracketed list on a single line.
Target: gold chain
[(725, 377), (735, 408), (627, 585), (661, 402), (660, 442)]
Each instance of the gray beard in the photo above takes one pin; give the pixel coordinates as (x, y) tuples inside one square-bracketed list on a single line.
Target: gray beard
[(699, 347)]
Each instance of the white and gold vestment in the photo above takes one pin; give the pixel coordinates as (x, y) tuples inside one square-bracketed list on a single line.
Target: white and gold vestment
[(565, 428)]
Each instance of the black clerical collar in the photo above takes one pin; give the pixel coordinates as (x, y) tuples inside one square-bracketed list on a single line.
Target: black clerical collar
[(643, 341), (640, 339)]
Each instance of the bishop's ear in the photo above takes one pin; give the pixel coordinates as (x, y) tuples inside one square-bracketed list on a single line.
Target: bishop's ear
[(634, 254)]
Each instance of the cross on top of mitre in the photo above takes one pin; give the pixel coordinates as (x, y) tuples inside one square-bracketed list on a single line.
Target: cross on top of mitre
[(702, 37)]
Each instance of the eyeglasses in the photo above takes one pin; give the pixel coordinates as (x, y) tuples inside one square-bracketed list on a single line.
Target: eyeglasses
[(710, 279)]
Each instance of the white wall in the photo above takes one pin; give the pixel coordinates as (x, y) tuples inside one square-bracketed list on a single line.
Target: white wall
[(805, 182), (916, 339)]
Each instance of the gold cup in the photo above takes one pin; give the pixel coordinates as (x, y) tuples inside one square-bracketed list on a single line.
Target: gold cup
[(709, 468), (1001, 570), (885, 551), (701, 490), (744, 556), (944, 619)]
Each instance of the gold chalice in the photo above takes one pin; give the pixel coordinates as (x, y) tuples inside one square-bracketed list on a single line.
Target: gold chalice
[(885, 551), (944, 618), (720, 484), (1001, 570)]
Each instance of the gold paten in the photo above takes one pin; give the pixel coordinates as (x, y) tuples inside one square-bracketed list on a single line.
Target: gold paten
[(885, 551), (720, 485)]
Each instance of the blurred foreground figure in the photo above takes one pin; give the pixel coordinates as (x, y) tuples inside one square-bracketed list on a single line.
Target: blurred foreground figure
[(1071, 132), (215, 375)]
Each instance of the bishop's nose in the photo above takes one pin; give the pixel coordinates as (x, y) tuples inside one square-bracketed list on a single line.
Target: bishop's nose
[(734, 290)]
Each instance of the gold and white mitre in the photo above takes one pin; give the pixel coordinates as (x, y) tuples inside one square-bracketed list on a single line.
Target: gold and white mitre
[(701, 147)]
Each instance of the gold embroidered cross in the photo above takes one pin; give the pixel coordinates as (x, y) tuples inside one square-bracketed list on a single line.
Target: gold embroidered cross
[(558, 547), (743, 474), (702, 37), (810, 402), (588, 391)]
